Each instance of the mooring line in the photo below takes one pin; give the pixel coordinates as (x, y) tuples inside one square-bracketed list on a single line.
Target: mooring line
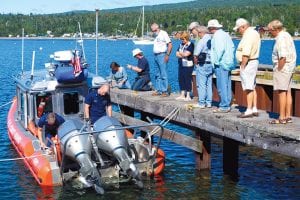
[(6, 104), (14, 159)]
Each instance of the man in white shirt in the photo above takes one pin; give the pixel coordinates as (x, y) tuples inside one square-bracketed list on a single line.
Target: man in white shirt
[(162, 48), (284, 60)]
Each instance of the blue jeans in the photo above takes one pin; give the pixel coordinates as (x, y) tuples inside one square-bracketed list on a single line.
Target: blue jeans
[(48, 139), (224, 87), (126, 85), (141, 83), (204, 83), (161, 76)]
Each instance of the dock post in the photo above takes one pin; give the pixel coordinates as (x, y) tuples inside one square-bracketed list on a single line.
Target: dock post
[(296, 106), (194, 86), (230, 157), (203, 160)]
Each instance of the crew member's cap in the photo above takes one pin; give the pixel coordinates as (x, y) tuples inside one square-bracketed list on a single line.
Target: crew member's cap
[(136, 52), (213, 23), (240, 22)]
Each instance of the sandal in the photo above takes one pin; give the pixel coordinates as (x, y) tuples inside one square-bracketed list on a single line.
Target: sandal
[(277, 121), (289, 120)]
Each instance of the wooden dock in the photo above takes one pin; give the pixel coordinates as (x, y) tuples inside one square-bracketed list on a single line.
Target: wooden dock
[(256, 131)]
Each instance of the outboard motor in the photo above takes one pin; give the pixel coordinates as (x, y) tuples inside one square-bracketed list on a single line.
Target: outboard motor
[(115, 143), (78, 147)]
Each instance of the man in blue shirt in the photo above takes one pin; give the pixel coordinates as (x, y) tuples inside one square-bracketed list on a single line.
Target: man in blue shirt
[(204, 68), (51, 121), (143, 71), (222, 58), (98, 104)]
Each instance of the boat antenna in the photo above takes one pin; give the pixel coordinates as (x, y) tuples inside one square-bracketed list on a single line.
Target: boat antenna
[(32, 65), (22, 51), (97, 13), (81, 41)]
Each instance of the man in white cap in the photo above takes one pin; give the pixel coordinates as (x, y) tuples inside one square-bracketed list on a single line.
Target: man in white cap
[(142, 80), (222, 58), (247, 54), (162, 48)]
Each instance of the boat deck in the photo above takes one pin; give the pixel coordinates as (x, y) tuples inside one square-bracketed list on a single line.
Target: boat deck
[(256, 131)]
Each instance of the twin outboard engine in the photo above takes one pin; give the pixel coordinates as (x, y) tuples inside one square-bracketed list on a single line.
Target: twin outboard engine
[(77, 146), (111, 139)]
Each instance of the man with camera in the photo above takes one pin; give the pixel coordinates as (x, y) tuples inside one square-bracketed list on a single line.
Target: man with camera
[(204, 68)]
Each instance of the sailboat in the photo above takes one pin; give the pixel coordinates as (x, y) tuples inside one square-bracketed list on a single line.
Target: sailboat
[(142, 40)]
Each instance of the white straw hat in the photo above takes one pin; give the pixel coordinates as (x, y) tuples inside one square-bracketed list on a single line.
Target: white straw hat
[(240, 22), (136, 51), (214, 23)]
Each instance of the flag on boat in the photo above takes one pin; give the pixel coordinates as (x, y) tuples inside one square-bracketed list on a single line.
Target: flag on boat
[(76, 64)]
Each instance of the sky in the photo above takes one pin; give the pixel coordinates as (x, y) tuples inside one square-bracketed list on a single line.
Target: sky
[(58, 6)]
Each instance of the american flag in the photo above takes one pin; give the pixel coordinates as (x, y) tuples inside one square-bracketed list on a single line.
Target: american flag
[(76, 64)]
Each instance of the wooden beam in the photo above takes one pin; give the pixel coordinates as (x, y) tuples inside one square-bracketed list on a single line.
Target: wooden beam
[(203, 160), (230, 157), (183, 140)]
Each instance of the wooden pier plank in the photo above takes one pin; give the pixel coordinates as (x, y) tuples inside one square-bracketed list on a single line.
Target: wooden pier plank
[(284, 139)]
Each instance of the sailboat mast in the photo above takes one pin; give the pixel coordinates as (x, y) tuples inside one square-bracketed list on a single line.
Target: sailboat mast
[(143, 21)]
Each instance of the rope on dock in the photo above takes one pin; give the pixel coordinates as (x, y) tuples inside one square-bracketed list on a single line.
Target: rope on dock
[(166, 120), (6, 104), (21, 158)]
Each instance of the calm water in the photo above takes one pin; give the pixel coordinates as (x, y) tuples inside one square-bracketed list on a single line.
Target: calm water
[(262, 174)]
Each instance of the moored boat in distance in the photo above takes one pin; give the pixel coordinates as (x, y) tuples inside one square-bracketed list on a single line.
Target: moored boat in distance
[(107, 154), (142, 40)]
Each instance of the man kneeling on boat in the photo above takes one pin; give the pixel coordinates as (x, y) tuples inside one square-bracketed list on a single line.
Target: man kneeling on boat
[(51, 122)]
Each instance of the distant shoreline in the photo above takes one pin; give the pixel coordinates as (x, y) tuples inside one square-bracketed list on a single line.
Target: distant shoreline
[(101, 38)]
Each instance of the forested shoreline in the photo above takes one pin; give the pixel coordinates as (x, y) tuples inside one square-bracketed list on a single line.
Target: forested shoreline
[(172, 17)]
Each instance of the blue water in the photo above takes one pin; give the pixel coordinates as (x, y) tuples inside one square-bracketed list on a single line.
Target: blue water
[(262, 174)]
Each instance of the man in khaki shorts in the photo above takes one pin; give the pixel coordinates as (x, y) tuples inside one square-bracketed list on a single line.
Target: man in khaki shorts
[(247, 54), (284, 61)]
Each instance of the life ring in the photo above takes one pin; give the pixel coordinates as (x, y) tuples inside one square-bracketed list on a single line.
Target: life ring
[(159, 164)]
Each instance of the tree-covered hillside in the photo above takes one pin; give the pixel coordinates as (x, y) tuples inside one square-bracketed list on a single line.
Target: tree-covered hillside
[(172, 17)]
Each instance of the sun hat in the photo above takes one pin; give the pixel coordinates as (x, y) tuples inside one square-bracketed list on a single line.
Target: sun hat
[(240, 22), (214, 23), (193, 25), (136, 51)]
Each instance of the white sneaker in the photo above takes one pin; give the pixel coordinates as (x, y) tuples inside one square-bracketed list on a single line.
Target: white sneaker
[(198, 106), (188, 99)]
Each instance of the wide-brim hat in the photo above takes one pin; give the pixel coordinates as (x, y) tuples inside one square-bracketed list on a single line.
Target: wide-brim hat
[(136, 52), (213, 23), (240, 22)]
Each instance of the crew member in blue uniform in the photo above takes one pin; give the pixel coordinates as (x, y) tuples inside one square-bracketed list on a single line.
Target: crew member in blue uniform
[(51, 121), (98, 104)]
